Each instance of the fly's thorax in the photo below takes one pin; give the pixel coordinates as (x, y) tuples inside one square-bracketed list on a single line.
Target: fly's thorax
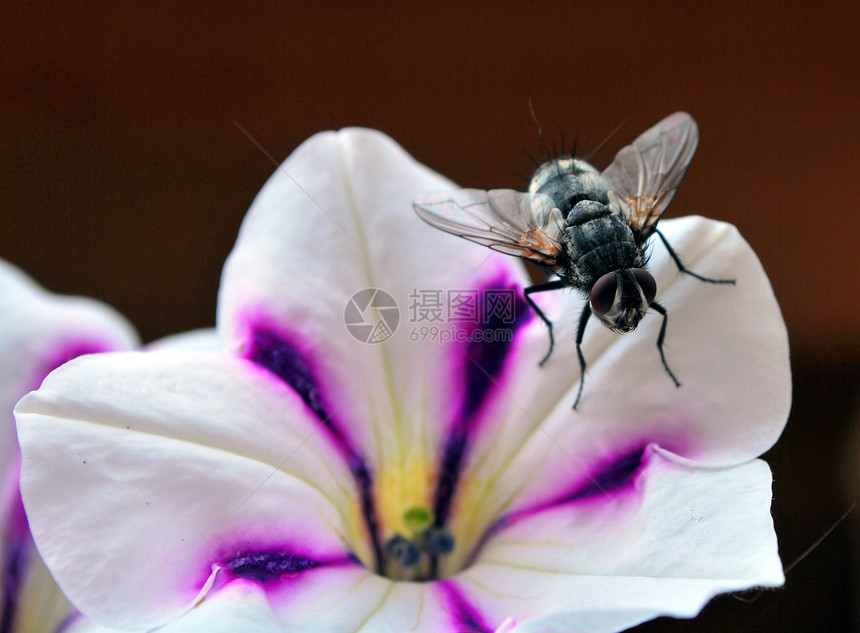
[(568, 180), (620, 299)]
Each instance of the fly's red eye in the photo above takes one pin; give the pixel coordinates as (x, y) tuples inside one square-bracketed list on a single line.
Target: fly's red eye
[(646, 282), (603, 293)]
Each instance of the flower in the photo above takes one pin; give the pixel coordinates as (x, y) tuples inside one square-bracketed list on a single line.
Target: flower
[(38, 332), (340, 469)]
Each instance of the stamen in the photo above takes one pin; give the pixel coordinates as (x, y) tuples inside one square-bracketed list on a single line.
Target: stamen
[(415, 558), (438, 541), (403, 551)]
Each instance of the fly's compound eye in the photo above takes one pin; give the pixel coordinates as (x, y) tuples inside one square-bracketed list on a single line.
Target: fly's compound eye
[(603, 293), (646, 282)]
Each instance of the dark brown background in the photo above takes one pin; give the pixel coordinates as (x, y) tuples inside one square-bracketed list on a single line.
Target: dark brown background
[(125, 176)]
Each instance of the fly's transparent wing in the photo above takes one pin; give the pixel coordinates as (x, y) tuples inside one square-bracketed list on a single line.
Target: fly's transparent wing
[(643, 178), (511, 222)]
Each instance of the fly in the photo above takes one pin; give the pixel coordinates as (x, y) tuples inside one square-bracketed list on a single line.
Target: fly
[(590, 230)]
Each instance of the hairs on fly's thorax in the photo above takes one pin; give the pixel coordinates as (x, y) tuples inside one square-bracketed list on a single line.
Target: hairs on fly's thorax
[(559, 148)]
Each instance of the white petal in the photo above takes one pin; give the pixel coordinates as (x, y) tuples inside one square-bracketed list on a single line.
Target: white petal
[(141, 468), (339, 600), (203, 340), (726, 343), (352, 600), (40, 331), (334, 219), (681, 536), (239, 607)]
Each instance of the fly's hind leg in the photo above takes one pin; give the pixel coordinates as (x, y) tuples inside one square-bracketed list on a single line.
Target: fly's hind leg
[(681, 267), (556, 284)]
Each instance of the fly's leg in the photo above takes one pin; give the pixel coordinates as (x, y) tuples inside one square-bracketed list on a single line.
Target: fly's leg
[(681, 267), (658, 308), (557, 284), (580, 333)]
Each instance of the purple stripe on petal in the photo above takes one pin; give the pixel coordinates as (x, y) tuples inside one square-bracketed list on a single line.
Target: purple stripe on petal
[(267, 566), (467, 618), (613, 477), (14, 560), (15, 564), (449, 474), (358, 468), (485, 356), (282, 358), (17, 549), (490, 343), (275, 352)]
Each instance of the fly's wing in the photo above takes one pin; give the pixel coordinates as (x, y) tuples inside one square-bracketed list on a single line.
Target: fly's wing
[(511, 222), (643, 178)]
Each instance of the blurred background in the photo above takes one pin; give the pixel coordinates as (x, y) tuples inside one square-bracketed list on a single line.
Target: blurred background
[(133, 139)]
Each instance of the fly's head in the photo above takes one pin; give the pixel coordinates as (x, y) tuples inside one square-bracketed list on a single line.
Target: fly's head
[(620, 299)]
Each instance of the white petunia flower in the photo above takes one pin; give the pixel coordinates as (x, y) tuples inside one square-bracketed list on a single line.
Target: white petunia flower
[(345, 468), (38, 332)]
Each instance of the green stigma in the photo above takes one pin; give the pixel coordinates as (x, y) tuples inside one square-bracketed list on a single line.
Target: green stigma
[(418, 519)]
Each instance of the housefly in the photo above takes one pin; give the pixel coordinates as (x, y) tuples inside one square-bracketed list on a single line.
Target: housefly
[(590, 230)]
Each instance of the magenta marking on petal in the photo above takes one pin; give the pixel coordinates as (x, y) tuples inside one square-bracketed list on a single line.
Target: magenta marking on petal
[(489, 346), (285, 360), (18, 542), (14, 568), (73, 349), (13, 576), (612, 477), (485, 356), (449, 473), (271, 565), (466, 617), (17, 525), (17, 547), (62, 354), (276, 352)]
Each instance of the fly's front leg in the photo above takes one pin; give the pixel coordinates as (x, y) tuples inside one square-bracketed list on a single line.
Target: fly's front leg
[(658, 308), (557, 284), (681, 268), (580, 333)]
